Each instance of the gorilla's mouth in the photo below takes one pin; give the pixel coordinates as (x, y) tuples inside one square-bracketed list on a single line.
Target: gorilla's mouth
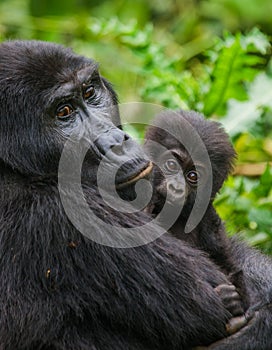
[(136, 177)]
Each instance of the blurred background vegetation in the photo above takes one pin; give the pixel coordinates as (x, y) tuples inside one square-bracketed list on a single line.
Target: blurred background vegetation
[(213, 56)]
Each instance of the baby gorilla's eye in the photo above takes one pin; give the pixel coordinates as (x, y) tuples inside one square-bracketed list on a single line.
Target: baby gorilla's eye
[(171, 165), (192, 177), (64, 111), (89, 92)]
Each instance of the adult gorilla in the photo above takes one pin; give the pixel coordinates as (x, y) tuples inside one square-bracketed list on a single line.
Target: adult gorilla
[(59, 289)]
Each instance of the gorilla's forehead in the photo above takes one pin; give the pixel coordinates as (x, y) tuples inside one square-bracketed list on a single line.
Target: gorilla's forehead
[(85, 74), (71, 83), (31, 63), (170, 141), (53, 73)]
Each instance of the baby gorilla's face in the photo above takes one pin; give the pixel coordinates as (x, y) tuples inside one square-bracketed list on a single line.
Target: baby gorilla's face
[(178, 177)]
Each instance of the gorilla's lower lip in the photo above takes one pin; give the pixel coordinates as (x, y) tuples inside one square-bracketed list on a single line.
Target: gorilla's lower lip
[(143, 173)]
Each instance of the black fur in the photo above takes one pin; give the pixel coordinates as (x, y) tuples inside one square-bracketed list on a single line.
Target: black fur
[(58, 289)]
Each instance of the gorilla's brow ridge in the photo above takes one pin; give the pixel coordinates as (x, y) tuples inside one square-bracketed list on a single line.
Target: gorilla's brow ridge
[(85, 75), (72, 87)]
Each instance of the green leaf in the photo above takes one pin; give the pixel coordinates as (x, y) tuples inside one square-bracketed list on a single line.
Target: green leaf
[(257, 39), (236, 63), (264, 186), (241, 116), (263, 217), (221, 76)]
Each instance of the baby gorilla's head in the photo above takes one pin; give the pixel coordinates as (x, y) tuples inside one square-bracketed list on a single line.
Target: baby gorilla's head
[(188, 151)]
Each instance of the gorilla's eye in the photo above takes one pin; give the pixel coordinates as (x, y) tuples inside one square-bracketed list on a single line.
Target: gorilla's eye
[(64, 111), (89, 92), (171, 165), (192, 177)]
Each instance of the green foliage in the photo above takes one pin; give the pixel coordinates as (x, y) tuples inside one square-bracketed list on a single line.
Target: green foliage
[(230, 64), (246, 206), (249, 112), (235, 59)]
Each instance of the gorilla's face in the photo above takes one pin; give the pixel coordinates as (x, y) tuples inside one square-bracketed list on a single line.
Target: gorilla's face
[(49, 95)]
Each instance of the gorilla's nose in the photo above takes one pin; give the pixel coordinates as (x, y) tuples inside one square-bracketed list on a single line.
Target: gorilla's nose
[(112, 141), (176, 188)]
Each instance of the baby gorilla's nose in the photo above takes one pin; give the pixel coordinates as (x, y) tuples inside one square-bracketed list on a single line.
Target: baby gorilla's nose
[(178, 190)]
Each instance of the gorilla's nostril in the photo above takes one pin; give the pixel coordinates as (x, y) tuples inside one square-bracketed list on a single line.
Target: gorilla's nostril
[(117, 149), (112, 141), (172, 188)]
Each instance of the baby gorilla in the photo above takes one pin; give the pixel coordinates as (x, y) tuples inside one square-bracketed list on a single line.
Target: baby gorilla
[(176, 143)]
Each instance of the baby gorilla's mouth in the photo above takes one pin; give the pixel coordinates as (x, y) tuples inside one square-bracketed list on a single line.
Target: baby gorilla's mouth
[(139, 175)]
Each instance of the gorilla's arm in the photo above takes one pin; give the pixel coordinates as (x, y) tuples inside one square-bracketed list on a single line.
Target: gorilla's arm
[(257, 335)]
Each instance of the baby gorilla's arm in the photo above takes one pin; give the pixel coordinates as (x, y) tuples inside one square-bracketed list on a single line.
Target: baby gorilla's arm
[(233, 303), (230, 298)]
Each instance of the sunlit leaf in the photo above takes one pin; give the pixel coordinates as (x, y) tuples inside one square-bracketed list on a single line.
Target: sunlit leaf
[(242, 115)]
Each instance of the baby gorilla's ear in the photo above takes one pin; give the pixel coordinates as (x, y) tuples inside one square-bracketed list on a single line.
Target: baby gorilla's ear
[(221, 152)]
